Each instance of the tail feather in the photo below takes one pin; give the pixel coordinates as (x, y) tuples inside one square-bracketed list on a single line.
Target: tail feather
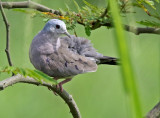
[(109, 60)]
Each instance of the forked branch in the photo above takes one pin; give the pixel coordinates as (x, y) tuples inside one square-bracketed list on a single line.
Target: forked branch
[(7, 34)]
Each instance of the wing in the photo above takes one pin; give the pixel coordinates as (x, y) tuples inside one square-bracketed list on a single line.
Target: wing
[(82, 47), (38, 49), (66, 62)]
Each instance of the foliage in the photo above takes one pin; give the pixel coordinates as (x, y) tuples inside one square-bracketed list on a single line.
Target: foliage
[(87, 16), (92, 16), (146, 4), (36, 74)]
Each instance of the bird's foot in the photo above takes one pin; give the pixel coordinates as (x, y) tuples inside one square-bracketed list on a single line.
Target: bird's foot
[(55, 93), (59, 85)]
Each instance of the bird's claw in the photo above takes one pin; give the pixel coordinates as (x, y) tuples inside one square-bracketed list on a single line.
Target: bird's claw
[(59, 86)]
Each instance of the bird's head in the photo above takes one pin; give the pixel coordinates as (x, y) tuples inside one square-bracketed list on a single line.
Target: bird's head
[(56, 26)]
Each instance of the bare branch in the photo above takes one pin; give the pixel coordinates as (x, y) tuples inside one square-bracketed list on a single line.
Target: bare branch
[(29, 4), (155, 112), (42, 8), (7, 34), (64, 95), (140, 30), (137, 30)]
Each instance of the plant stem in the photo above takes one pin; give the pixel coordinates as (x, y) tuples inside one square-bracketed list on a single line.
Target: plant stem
[(128, 78)]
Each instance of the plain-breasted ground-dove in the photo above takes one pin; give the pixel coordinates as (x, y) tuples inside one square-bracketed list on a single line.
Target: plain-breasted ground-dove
[(64, 57)]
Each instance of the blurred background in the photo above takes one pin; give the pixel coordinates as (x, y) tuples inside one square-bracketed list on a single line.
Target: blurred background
[(99, 94)]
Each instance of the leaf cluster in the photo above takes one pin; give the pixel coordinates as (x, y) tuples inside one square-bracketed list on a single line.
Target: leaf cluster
[(36, 74), (88, 15), (149, 7), (93, 17)]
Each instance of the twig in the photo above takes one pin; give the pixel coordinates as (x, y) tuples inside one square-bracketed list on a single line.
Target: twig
[(140, 30), (64, 95), (96, 24), (137, 30), (42, 8), (155, 112), (7, 34), (105, 12), (29, 4)]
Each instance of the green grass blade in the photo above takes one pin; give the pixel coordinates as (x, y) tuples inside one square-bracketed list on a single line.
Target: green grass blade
[(128, 78)]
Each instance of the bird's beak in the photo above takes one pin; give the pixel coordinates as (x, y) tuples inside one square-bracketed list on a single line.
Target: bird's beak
[(66, 33)]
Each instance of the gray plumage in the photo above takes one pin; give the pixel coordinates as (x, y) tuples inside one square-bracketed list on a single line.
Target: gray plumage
[(64, 57)]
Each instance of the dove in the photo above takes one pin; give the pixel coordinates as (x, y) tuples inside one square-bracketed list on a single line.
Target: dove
[(63, 57)]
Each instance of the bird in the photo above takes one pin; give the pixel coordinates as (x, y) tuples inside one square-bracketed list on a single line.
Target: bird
[(63, 57)]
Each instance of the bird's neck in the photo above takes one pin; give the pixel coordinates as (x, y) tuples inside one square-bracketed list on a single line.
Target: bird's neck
[(52, 37)]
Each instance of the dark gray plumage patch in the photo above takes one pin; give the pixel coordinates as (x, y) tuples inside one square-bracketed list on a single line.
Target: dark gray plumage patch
[(86, 63), (82, 47), (80, 60), (47, 60), (66, 64), (76, 67)]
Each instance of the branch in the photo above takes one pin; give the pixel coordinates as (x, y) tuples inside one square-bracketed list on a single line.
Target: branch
[(137, 30), (105, 12), (42, 8), (29, 4), (64, 95), (140, 30), (155, 112), (7, 34)]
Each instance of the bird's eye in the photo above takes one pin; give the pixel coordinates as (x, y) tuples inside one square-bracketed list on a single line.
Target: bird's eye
[(57, 26)]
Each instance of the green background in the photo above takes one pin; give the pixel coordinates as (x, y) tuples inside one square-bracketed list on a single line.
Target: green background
[(99, 94)]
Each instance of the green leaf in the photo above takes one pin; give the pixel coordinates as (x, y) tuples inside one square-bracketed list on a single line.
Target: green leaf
[(67, 7), (77, 6), (22, 72), (47, 79), (157, 1), (36, 74), (23, 10), (150, 3), (91, 6), (149, 23), (88, 30), (46, 19)]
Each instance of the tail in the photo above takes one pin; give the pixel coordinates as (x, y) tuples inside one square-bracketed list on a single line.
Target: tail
[(109, 60)]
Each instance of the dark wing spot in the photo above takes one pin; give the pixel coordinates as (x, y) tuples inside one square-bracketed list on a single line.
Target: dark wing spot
[(66, 64), (76, 67), (47, 60), (80, 59), (86, 63)]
